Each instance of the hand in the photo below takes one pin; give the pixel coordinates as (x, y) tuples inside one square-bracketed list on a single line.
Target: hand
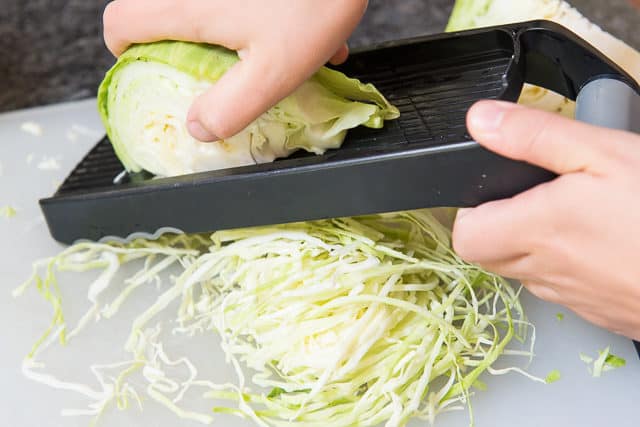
[(575, 240), (281, 43)]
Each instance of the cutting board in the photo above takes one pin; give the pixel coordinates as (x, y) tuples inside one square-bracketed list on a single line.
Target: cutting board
[(39, 147)]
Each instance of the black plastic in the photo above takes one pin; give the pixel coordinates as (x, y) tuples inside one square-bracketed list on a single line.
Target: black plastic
[(423, 159)]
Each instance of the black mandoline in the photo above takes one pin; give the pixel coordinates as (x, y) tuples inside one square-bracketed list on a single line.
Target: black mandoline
[(423, 159)]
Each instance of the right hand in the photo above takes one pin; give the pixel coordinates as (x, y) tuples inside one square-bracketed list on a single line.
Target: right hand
[(281, 43), (574, 240)]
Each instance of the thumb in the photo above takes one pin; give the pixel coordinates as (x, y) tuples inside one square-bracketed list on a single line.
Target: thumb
[(544, 139), (242, 94)]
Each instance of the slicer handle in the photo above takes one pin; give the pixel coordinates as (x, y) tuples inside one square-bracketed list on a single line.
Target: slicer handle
[(609, 103)]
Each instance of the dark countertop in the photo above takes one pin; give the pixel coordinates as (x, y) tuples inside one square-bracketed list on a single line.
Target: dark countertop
[(52, 50)]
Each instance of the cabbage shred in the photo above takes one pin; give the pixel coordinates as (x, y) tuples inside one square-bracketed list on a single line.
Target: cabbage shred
[(353, 321)]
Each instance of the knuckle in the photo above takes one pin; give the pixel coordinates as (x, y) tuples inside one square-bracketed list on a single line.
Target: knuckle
[(218, 125), (223, 128), (596, 318), (621, 151)]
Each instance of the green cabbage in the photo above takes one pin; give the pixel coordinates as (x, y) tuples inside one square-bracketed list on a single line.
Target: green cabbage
[(7, 211), (469, 14), (145, 97), (606, 361)]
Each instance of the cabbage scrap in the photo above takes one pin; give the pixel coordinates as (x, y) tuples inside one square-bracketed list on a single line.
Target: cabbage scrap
[(353, 321), (553, 376), (7, 211), (606, 361), (32, 128)]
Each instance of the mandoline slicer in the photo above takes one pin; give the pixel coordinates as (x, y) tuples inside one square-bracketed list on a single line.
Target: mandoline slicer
[(423, 159)]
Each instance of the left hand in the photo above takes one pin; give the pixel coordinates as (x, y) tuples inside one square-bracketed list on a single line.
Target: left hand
[(575, 240)]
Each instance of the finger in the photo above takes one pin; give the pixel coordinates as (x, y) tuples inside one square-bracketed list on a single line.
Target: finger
[(141, 21), (544, 139), (597, 318), (499, 231), (511, 268), (340, 56), (242, 94), (543, 291)]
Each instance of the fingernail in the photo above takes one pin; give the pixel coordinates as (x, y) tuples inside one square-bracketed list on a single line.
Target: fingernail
[(487, 116), (199, 132)]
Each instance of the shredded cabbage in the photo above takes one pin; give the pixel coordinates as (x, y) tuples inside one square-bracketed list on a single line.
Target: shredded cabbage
[(354, 321)]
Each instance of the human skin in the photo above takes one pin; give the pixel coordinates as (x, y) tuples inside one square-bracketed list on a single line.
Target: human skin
[(575, 240)]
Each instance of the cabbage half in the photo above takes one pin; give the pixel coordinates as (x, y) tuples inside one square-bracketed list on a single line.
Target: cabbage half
[(145, 97), (469, 14)]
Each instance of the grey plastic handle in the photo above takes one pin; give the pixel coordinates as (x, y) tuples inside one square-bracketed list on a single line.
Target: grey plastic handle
[(609, 103)]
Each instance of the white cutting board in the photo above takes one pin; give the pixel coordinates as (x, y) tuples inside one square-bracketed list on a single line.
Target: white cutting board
[(68, 131)]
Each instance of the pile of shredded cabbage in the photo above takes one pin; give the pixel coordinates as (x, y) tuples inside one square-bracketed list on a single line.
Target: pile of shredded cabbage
[(356, 321)]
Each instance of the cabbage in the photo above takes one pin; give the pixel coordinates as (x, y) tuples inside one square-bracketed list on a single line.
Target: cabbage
[(7, 211), (344, 322), (605, 361), (145, 97), (468, 14)]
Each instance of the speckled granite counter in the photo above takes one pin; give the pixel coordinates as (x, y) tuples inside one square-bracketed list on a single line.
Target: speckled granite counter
[(52, 50)]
